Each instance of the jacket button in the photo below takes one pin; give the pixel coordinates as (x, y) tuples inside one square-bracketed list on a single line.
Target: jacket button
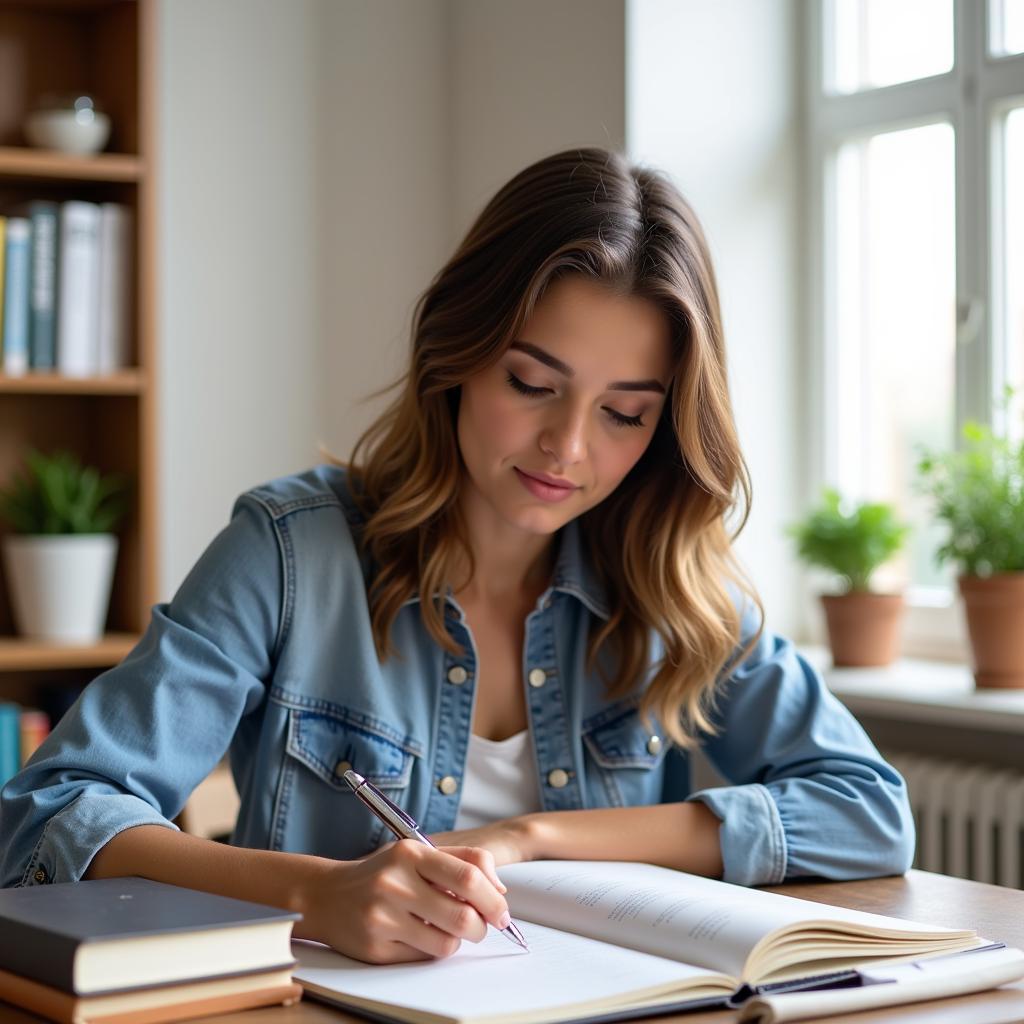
[(538, 677), (341, 767), (558, 778), (654, 745), (448, 785), (457, 675), (40, 876)]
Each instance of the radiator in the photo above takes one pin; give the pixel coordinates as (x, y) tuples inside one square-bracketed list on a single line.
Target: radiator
[(969, 817)]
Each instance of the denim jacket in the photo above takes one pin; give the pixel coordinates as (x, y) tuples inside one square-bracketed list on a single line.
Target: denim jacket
[(266, 650)]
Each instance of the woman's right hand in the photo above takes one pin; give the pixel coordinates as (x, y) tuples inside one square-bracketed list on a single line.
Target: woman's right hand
[(407, 901)]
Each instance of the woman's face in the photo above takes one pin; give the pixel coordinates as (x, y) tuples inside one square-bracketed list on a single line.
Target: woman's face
[(552, 428)]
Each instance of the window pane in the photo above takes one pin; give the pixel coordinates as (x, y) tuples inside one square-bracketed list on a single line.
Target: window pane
[(894, 324), (882, 42), (1012, 272), (1006, 18)]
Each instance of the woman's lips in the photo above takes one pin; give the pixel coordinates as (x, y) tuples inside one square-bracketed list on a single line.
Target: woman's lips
[(542, 487)]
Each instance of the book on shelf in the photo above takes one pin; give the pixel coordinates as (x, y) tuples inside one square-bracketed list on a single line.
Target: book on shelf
[(68, 288), (78, 307), (17, 274), (3, 246), (117, 947), (10, 742), (43, 285), (112, 345), (22, 730), (614, 940)]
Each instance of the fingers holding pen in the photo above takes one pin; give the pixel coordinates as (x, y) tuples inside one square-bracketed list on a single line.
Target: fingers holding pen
[(468, 874), (407, 901)]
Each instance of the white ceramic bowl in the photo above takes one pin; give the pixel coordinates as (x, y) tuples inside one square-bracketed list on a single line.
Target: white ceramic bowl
[(68, 131)]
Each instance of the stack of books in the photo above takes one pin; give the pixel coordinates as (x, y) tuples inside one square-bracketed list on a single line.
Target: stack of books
[(65, 288), (130, 949)]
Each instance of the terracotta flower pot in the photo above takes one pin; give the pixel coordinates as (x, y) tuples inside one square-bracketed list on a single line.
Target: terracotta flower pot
[(995, 623), (863, 628)]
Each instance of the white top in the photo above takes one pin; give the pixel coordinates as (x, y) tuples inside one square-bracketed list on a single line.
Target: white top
[(500, 780)]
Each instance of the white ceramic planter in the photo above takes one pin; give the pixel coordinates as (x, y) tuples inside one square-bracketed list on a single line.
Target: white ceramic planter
[(60, 585)]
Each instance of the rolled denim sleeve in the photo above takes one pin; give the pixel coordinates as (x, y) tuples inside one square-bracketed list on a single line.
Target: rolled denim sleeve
[(810, 795), (143, 735)]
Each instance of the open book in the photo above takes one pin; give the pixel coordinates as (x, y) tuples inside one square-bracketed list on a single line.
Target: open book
[(611, 940)]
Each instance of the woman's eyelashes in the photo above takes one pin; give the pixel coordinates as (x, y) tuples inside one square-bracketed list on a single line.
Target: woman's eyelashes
[(618, 418), (526, 389)]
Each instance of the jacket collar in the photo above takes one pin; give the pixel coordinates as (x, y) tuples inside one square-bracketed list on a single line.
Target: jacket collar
[(573, 574)]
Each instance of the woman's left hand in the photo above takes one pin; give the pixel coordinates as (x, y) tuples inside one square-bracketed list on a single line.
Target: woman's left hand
[(507, 841)]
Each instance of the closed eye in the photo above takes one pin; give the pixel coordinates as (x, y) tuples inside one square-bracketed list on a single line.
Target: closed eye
[(623, 421), (526, 389), (618, 418)]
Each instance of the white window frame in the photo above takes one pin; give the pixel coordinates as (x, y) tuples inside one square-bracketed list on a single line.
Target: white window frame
[(972, 97)]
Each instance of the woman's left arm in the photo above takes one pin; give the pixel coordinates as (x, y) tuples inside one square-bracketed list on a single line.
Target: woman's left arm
[(810, 795), (647, 834)]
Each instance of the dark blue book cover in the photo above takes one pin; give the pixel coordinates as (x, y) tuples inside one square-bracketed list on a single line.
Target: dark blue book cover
[(119, 934)]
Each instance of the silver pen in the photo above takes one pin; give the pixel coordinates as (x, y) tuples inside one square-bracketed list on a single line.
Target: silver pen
[(404, 827)]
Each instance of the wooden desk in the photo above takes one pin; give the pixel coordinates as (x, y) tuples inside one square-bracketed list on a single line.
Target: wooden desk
[(996, 913)]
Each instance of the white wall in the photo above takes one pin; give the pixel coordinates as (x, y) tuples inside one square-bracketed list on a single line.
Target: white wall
[(238, 297), (528, 79), (712, 97), (383, 162)]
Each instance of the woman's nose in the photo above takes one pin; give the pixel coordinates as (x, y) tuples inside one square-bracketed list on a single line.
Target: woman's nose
[(565, 437)]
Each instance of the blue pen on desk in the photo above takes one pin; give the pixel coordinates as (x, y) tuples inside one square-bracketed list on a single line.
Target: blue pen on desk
[(404, 827)]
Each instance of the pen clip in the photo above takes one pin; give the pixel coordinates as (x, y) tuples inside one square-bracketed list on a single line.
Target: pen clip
[(396, 810)]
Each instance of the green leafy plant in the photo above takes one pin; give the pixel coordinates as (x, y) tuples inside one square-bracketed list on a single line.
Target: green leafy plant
[(853, 543), (56, 494), (978, 494)]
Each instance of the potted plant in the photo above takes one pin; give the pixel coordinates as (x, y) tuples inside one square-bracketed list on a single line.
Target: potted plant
[(978, 494), (863, 626), (59, 557)]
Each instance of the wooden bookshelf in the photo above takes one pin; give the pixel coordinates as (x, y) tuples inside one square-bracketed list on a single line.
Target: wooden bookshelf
[(22, 164), (124, 382), (106, 48), (19, 654)]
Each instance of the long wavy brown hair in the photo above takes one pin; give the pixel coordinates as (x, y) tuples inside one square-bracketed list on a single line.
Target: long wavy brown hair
[(662, 542)]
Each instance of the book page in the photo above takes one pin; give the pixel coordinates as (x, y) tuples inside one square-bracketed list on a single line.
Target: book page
[(672, 914), (495, 978)]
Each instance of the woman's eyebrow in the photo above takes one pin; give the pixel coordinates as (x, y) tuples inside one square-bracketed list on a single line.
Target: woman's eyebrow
[(567, 371)]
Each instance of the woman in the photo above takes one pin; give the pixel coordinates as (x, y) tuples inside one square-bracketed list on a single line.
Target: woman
[(517, 613)]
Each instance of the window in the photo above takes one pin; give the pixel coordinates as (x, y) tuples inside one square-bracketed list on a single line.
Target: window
[(1006, 24), (874, 43), (916, 167)]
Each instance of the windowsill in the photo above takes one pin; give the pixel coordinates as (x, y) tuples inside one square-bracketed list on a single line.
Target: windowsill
[(915, 690)]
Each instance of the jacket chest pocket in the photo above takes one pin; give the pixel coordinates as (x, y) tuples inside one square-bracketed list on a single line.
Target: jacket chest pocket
[(315, 811), (330, 743), (627, 753)]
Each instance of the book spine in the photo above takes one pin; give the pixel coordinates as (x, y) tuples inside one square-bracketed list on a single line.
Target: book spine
[(17, 256), (3, 247), (42, 333), (40, 999), (33, 728), (10, 742), (115, 268), (77, 321)]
